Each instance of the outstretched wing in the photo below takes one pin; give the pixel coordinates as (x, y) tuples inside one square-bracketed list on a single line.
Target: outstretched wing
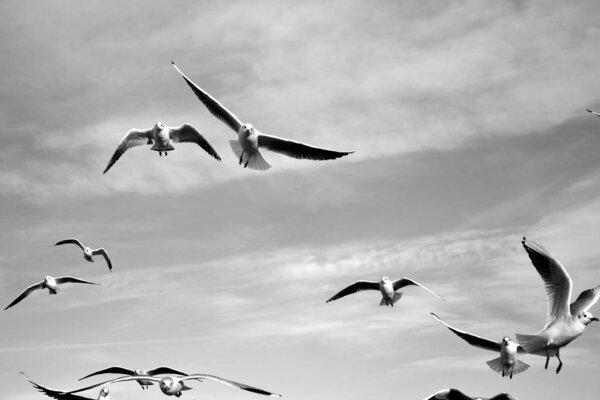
[(116, 380), (134, 137), (72, 240), (504, 396), (110, 370), (26, 293), (585, 300), (355, 287), (55, 394), (70, 279), (400, 283), (105, 255), (164, 370), (595, 113), (473, 340), (213, 106), (449, 394), (556, 280), (187, 133), (238, 385), (297, 149)]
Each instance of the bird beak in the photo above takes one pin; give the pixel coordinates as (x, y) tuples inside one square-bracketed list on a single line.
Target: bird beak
[(595, 319)]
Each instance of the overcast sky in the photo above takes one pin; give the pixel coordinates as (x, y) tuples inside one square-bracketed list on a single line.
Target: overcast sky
[(469, 128)]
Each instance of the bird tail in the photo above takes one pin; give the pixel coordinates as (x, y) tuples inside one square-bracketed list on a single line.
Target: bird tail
[(255, 160), (496, 365), (520, 367), (185, 387), (385, 302), (397, 297), (533, 344)]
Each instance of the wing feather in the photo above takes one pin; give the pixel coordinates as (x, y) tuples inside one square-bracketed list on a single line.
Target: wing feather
[(70, 279), (110, 370), (105, 255), (473, 340), (238, 385), (298, 150), (187, 133), (134, 137), (585, 300), (355, 287), (26, 293), (55, 394), (72, 240), (400, 283)]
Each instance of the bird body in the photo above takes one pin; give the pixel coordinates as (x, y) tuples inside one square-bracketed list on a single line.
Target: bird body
[(88, 253), (564, 322), (246, 148), (49, 283), (386, 287)]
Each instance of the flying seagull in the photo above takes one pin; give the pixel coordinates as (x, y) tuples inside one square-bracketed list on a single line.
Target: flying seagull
[(60, 395), (137, 372), (49, 283), (507, 363), (246, 148), (174, 385), (564, 322), (455, 394), (161, 137), (88, 252), (387, 288), (593, 112)]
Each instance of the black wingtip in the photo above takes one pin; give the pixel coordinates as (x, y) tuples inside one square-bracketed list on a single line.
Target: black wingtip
[(172, 62), (588, 110)]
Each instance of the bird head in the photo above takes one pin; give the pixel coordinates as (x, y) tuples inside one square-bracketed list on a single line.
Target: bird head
[(587, 318), (384, 279), (167, 383), (138, 372), (160, 126), (247, 129), (104, 394), (506, 340)]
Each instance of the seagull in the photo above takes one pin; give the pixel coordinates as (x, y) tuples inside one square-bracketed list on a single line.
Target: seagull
[(88, 252), (161, 137), (173, 385), (593, 112), (246, 148), (137, 372), (49, 283), (455, 394), (60, 395), (564, 322), (507, 363), (385, 286)]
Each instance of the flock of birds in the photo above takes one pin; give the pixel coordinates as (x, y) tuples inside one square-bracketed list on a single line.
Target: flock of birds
[(565, 321)]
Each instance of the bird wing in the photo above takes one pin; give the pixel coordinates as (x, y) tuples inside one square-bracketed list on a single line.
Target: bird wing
[(504, 396), (297, 149), (26, 293), (585, 300), (231, 383), (115, 380), (355, 287), (187, 133), (55, 394), (72, 240), (400, 283), (164, 370), (449, 394), (105, 255), (556, 280), (134, 137), (213, 106), (473, 340), (70, 279), (110, 370), (595, 113)]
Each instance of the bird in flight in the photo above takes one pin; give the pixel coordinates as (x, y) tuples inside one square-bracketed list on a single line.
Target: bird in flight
[(173, 385), (137, 372), (88, 252), (49, 283), (246, 148), (161, 137), (386, 286), (60, 395), (455, 394), (564, 322), (592, 112), (507, 363)]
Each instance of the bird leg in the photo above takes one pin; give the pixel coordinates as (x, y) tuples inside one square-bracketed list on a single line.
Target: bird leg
[(247, 161), (160, 153), (560, 363), (166, 153), (547, 358), (242, 156), (511, 371), (503, 372)]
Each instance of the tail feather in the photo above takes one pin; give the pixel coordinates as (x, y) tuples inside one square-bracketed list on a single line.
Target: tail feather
[(397, 297), (383, 302), (520, 367), (236, 147), (496, 365), (253, 161), (533, 344)]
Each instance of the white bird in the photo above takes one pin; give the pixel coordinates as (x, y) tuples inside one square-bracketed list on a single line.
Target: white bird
[(60, 395), (49, 283), (161, 137), (174, 385), (246, 148), (507, 363), (593, 112), (455, 394), (564, 322), (88, 252), (137, 372), (386, 286)]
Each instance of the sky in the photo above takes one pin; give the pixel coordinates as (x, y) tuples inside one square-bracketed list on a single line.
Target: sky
[(469, 128)]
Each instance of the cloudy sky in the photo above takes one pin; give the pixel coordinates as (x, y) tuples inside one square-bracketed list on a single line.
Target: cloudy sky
[(469, 125)]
